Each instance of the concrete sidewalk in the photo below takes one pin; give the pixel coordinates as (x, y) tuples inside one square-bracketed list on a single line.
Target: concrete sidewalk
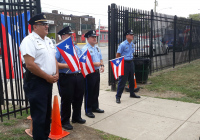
[(146, 118)]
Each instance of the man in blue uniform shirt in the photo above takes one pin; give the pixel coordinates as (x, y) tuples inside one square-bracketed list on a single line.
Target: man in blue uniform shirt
[(93, 80), (126, 49), (71, 87)]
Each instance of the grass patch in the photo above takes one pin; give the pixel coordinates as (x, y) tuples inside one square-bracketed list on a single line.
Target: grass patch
[(184, 80), (106, 136), (16, 131), (10, 122)]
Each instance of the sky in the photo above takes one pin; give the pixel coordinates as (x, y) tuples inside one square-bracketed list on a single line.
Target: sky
[(99, 9)]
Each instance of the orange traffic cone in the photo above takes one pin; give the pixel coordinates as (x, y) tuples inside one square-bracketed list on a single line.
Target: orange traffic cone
[(56, 127), (136, 89), (29, 131)]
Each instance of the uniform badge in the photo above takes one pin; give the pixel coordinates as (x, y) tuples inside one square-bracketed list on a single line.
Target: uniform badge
[(126, 47), (132, 46), (90, 51)]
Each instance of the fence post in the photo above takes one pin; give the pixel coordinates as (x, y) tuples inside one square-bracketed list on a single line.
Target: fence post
[(126, 20), (151, 41), (174, 44), (38, 7), (112, 52), (190, 46)]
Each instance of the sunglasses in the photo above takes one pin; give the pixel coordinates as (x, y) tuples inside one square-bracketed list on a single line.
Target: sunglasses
[(43, 24)]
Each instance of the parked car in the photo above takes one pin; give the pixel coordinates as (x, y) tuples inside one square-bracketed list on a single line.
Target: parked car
[(142, 47)]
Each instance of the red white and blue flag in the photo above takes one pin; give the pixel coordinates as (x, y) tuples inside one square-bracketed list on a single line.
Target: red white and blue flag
[(86, 63), (15, 35), (117, 66), (68, 52)]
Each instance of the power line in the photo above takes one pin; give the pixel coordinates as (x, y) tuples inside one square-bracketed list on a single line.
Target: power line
[(51, 6)]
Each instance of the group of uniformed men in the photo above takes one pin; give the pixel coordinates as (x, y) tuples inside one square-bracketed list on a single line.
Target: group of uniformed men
[(45, 66)]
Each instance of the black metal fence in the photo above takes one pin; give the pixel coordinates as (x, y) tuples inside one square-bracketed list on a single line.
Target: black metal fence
[(14, 27), (165, 40)]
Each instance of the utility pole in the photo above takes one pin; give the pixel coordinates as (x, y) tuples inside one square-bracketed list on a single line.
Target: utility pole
[(156, 4), (99, 35)]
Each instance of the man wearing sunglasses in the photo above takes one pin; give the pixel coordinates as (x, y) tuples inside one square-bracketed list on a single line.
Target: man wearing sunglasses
[(41, 66)]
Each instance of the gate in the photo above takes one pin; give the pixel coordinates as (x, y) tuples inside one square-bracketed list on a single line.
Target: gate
[(14, 27), (165, 40)]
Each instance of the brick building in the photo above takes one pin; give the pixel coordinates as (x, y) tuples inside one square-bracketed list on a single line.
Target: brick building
[(80, 25)]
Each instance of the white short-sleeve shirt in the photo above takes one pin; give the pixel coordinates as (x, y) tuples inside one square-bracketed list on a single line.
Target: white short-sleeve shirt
[(42, 50)]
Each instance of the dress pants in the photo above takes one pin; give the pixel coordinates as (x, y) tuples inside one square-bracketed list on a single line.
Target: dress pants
[(39, 93), (71, 90), (128, 76), (92, 82)]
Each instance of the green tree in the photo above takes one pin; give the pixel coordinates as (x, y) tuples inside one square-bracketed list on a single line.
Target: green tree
[(195, 16)]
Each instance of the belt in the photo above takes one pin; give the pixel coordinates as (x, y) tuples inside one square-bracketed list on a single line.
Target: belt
[(128, 61), (69, 74), (97, 70)]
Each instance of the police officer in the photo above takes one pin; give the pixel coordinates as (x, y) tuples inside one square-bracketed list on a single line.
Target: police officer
[(38, 53), (126, 49), (93, 80), (71, 87)]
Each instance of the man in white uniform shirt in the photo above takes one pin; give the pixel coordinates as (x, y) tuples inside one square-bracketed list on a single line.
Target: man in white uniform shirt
[(41, 72)]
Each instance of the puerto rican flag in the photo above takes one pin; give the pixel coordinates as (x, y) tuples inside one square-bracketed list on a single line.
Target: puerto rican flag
[(117, 66), (11, 49), (86, 63), (68, 52)]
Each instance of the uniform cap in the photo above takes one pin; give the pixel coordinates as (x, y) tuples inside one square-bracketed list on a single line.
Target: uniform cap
[(90, 33), (66, 30), (129, 32), (38, 18)]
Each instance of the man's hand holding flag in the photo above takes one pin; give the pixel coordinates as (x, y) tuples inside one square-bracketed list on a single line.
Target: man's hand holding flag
[(117, 65), (86, 63), (68, 52)]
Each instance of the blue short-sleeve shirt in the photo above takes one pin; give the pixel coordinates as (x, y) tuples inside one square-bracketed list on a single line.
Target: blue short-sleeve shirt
[(95, 53), (126, 49), (60, 59)]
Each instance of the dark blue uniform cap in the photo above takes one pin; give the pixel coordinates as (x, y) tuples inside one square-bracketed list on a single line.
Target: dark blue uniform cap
[(66, 30), (38, 18), (129, 32), (90, 33)]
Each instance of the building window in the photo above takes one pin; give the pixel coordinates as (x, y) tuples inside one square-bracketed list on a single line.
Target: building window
[(100, 37), (85, 26), (104, 37), (89, 27), (86, 19), (67, 18), (73, 25)]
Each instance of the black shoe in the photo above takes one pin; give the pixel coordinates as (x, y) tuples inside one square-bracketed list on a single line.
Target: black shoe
[(134, 96), (118, 100), (81, 121), (67, 126), (90, 115), (98, 110)]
